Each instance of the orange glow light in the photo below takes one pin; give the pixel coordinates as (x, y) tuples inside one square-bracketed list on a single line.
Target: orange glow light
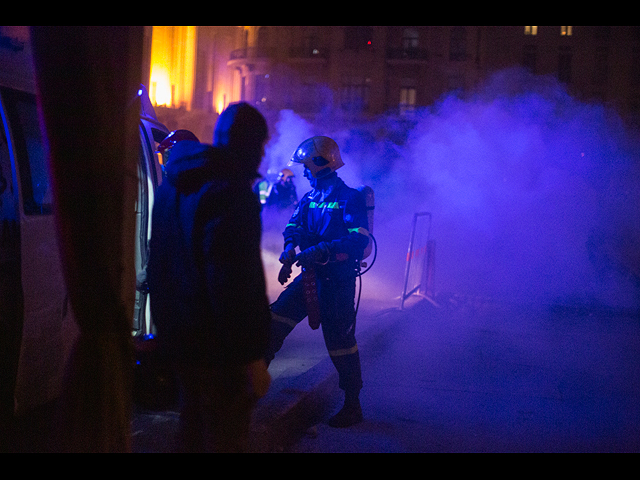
[(172, 65)]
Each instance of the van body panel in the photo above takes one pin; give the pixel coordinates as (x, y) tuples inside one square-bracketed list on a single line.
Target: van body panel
[(149, 177), (47, 323), (37, 325)]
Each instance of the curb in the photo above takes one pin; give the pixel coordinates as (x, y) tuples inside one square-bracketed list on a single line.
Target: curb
[(283, 415)]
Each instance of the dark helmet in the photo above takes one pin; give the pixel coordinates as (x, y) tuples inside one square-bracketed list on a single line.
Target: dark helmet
[(175, 137)]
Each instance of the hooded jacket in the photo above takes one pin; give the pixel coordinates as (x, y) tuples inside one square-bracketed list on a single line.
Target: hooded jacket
[(205, 273)]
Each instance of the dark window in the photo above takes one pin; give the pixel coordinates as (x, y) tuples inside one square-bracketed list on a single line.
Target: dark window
[(635, 67), (529, 57), (22, 116), (564, 65), (458, 44), (355, 93), (409, 39), (601, 70)]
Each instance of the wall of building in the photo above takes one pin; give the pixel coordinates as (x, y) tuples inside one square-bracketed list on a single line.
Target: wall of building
[(367, 71)]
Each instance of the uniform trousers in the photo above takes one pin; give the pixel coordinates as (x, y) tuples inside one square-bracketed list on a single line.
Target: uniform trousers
[(338, 321)]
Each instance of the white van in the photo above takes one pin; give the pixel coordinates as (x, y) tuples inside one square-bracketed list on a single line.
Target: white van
[(152, 132), (37, 328)]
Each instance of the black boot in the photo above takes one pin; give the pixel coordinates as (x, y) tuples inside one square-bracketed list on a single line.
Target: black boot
[(350, 414)]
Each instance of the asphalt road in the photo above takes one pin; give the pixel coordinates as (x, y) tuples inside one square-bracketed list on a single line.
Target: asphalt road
[(475, 376), (468, 375)]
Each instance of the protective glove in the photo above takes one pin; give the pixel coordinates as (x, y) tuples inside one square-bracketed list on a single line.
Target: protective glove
[(259, 378), (285, 274), (287, 257), (317, 254)]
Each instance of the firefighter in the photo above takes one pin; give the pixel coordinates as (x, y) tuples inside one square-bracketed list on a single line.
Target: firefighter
[(330, 228), (164, 147), (262, 188), (163, 150), (283, 193)]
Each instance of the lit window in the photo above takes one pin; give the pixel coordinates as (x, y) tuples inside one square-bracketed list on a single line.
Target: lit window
[(407, 99), (173, 50), (565, 31), (530, 30)]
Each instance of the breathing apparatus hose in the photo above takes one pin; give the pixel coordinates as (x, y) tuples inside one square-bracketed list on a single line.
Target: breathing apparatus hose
[(359, 274)]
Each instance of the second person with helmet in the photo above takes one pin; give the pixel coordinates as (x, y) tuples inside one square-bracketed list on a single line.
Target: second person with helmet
[(283, 193), (330, 228)]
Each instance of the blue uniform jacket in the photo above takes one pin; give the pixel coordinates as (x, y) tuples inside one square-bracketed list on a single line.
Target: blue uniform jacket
[(340, 219)]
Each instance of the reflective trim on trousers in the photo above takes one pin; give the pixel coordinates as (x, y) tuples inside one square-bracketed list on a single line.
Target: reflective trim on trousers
[(285, 320), (343, 351)]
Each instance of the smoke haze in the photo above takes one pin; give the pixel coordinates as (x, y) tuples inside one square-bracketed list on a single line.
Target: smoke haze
[(534, 195)]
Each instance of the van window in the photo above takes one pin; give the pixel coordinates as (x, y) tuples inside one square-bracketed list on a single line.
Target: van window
[(7, 208), (9, 233), (22, 115)]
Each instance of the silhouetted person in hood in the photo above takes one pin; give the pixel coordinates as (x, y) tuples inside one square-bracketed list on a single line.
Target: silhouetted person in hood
[(206, 280)]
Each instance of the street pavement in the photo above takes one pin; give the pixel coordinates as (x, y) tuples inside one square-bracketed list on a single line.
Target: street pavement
[(455, 375)]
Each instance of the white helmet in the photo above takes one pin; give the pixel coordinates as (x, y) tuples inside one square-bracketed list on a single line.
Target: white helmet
[(320, 155)]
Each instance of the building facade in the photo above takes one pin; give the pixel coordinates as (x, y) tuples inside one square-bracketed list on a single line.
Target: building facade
[(364, 71)]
